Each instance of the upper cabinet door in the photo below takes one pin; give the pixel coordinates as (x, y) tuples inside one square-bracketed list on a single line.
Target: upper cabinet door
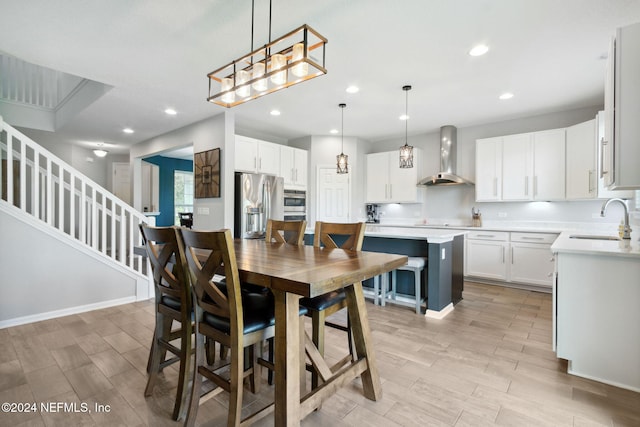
[(516, 167), (489, 169), (402, 181), (377, 178), (246, 157), (581, 161), (268, 158), (549, 165), (255, 156)]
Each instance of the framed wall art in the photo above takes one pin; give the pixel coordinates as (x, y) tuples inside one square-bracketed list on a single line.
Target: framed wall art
[(206, 174)]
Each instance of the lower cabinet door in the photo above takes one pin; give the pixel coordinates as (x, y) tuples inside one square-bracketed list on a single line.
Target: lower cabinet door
[(487, 259), (531, 263)]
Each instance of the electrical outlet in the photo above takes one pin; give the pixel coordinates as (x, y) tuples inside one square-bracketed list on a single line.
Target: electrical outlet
[(203, 211), (502, 214)]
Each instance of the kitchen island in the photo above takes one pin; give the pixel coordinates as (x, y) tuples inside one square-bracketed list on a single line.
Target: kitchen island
[(444, 250), (596, 297)]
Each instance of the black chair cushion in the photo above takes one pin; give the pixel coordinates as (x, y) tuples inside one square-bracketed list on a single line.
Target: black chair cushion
[(170, 302), (323, 302), (258, 310)]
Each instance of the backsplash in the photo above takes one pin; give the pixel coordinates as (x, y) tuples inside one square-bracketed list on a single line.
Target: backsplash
[(452, 206)]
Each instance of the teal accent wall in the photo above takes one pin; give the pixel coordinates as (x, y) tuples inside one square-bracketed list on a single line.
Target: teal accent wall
[(167, 167)]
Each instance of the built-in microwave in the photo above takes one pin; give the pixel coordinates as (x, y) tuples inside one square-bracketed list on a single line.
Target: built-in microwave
[(295, 201)]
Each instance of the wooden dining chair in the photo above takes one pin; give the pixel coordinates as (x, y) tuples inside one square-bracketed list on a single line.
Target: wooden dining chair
[(287, 232), (172, 303), (332, 235), (236, 319), (291, 232)]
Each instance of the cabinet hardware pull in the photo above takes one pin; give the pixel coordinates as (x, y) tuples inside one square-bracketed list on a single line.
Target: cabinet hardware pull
[(255, 163), (603, 142), (591, 188), (503, 254), (526, 185), (391, 191), (495, 186), (535, 186), (486, 235), (512, 253), (532, 238)]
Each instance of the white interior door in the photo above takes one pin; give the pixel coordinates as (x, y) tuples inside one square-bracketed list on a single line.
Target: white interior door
[(121, 181), (334, 197)]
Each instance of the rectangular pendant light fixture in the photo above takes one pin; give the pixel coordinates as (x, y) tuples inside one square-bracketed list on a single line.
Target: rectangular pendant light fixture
[(291, 59)]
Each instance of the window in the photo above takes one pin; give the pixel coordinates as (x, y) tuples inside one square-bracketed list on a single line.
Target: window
[(182, 194)]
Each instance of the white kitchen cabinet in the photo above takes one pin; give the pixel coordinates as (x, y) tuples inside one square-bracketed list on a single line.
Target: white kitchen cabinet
[(531, 259), (387, 182), (293, 167), (581, 161), (549, 165), (511, 257), (517, 166), (256, 156), (622, 107), (489, 169), (598, 320), (486, 255), (522, 167), (603, 192)]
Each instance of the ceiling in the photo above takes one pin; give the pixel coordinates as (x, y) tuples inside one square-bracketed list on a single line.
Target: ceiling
[(156, 54)]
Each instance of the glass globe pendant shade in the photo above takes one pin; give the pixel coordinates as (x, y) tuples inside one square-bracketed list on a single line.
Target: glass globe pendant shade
[(342, 163), (243, 90), (406, 156), (302, 69), (278, 61), (227, 84), (258, 71)]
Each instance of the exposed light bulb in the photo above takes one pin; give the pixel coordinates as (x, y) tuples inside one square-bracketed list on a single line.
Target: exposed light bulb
[(302, 69)]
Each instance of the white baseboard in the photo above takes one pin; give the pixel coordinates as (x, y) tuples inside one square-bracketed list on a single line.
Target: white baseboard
[(433, 314), (64, 312)]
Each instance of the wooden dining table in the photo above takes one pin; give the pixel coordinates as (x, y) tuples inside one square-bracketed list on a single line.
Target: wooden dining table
[(293, 272)]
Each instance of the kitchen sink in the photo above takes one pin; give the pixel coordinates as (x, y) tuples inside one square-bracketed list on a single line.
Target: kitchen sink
[(593, 237)]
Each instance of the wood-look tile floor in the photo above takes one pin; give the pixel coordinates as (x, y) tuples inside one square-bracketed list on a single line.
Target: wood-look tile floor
[(488, 363)]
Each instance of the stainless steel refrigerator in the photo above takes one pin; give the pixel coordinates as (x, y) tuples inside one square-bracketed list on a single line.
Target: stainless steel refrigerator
[(258, 197)]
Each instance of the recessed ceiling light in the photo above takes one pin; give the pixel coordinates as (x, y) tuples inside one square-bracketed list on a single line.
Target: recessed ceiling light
[(479, 50), (127, 130), (275, 112), (333, 131), (404, 117), (353, 89), (171, 111), (506, 95)]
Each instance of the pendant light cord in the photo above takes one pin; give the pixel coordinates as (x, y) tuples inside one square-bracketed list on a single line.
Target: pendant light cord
[(342, 106)]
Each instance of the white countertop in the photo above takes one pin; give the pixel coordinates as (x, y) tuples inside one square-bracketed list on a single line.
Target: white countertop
[(430, 234), (565, 244)]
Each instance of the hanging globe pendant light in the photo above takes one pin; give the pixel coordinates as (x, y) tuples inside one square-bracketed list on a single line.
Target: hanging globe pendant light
[(342, 160)]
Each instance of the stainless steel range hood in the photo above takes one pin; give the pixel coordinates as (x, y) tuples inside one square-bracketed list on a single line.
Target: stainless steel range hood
[(448, 147)]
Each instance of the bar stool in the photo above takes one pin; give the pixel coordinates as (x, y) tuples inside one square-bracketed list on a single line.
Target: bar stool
[(415, 265)]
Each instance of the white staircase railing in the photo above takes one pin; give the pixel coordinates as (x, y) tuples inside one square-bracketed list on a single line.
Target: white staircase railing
[(42, 185)]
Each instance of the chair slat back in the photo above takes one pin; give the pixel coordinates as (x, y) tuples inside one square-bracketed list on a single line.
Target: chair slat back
[(326, 231), (291, 232), (167, 260), (218, 247)]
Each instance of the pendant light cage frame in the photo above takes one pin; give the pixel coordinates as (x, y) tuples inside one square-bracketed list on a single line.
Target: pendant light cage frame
[(406, 151), (294, 58), (342, 160)]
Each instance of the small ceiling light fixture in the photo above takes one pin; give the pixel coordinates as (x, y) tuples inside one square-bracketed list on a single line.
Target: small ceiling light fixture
[(342, 159), (275, 112), (333, 131), (406, 151), (100, 152), (171, 111), (353, 89), (506, 95), (479, 50), (127, 130), (277, 65)]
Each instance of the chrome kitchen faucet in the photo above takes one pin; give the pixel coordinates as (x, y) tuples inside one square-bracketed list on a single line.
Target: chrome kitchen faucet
[(627, 229)]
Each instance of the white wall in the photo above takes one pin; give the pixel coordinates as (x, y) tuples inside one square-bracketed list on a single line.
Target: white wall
[(46, 274), (214, 132)]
